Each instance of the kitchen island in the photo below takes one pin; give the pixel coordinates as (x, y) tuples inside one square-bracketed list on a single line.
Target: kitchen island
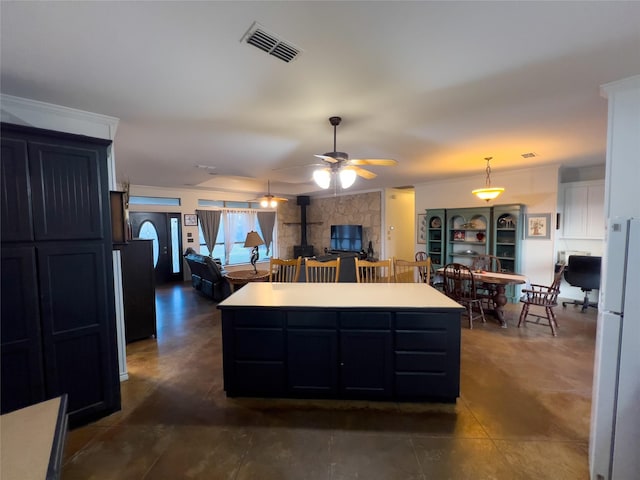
[(341, 340)]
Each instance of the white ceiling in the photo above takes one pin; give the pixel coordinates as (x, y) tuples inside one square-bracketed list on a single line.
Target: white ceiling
[(437, 86)]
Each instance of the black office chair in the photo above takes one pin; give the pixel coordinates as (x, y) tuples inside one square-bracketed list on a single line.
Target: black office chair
[(583, 271)]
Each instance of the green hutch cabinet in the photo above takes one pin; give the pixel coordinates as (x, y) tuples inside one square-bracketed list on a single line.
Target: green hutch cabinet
[(468, 234), (436, 224), (506, 242)]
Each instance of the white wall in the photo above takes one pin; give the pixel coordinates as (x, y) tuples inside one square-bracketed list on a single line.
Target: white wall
[(536, 188), (399, 223)]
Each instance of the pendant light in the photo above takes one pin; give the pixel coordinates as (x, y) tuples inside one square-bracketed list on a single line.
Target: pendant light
[(488, 192)]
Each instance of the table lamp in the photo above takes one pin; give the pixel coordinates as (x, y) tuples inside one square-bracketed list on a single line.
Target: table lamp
[(253, 240)]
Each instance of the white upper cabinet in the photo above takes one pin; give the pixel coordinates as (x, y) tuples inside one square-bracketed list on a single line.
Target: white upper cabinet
[(583, 209)]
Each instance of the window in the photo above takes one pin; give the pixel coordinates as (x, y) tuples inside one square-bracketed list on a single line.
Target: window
[(239, 223), (175, 202), (148, 231)]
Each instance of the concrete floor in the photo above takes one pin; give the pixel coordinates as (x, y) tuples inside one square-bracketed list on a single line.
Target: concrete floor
[(523, 413)]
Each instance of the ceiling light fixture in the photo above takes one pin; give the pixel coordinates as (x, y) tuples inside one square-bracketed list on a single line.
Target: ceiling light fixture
[(488, 192), (270, 200)]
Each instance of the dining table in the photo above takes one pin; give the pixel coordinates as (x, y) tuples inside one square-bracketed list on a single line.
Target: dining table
[(497, 282)]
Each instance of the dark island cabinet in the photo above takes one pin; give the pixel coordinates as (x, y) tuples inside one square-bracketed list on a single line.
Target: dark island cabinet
[(58, 320), (329, 353)]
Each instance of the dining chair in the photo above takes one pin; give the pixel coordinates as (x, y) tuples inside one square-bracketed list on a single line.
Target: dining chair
[(281, 270), (406, 271), (460, 285), (545, 297), (322, 272), (486, 263), (373, 272), (434, 278)]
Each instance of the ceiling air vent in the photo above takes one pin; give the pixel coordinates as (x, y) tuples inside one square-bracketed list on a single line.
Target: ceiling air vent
[(270, 43)]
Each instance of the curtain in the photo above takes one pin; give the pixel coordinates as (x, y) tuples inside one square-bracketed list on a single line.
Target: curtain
[(210, 223), (266, 220), (230, 224)]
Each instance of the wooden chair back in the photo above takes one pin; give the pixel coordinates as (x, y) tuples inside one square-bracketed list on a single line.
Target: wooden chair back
[(322, 272), (373, 272), (406, 271), (281, 270), (542, 296), (486, 263), (459, 283)]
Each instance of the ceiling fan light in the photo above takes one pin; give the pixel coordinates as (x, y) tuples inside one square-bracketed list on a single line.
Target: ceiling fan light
[(488, 193), (264, 203), (347, 177), (273, 203), (322, 177)]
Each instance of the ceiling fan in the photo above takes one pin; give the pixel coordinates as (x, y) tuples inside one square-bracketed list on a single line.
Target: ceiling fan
[(269, 200), (339, 164)]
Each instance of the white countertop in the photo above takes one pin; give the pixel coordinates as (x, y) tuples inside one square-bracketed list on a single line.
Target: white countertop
[(339, 295), (27, 439)]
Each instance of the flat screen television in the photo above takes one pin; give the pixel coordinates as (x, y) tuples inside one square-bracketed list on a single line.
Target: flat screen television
[(346, 238)]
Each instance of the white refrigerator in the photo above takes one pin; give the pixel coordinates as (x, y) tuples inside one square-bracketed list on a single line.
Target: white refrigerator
[(615, 411)]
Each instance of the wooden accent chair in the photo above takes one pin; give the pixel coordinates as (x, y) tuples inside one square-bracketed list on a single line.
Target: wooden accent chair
[(373, 272), (542, 296), (322, 272), (460, 285), (486, 263), (281, 270), (406, 271)]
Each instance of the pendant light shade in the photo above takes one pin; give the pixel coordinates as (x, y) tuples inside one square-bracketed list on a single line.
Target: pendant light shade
[(488, 192)]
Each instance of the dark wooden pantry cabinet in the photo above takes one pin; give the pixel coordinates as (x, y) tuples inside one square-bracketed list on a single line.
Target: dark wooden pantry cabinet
[(58, 332)]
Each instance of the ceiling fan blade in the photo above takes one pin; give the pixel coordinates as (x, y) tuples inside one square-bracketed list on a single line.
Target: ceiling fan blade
[(327, 158), (289, 167), (382, 162), (366, 174)]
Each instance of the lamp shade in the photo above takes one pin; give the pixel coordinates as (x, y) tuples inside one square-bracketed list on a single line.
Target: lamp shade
[(322, 177), (347, 177), (488, 193), (253, 240)]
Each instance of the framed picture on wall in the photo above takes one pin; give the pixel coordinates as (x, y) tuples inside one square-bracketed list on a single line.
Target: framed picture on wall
[(422, 229), (190, 220), (537, 225)]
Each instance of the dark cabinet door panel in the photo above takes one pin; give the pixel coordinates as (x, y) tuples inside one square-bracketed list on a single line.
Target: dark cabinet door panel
[(312, 362), (257, 379), (77, 324), (22, 373), (67, 198), (16, 192), (366, 363)]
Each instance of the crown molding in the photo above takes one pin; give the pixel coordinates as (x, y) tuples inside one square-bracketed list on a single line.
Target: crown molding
[(56, 117)]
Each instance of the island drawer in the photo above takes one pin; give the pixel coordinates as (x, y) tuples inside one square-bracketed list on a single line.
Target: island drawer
[(427, 320), (431, 362), (365, 320), (436, 340), (258, 318), (316, 319)]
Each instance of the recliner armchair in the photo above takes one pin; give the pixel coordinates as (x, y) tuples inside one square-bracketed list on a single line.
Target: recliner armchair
[(207, 276)]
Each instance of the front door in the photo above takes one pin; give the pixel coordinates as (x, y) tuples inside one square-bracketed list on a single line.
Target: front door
[(165, 231)]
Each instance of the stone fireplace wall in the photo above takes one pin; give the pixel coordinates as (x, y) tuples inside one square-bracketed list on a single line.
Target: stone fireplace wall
[(359, 209)]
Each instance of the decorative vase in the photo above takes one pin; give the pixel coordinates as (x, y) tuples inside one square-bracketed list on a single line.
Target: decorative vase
[(370, 249)]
